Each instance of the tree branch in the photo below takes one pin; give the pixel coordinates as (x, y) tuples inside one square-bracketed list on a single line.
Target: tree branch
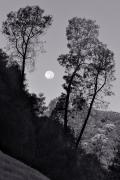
[(103, 83), (16, 45)]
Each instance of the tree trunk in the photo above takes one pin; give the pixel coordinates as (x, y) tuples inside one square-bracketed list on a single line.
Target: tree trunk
[(89, 111), (23, 72), (67, 100), (85, 122), (66, 111)]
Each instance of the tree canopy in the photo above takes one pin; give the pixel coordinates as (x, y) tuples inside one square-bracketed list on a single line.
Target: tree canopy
[(98, 76), (22, 28), (82, 37)]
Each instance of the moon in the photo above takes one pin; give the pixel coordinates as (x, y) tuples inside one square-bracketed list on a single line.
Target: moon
[(49, 74)]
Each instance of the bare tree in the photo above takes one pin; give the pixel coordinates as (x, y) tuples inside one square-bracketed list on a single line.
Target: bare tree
[(22, 28)]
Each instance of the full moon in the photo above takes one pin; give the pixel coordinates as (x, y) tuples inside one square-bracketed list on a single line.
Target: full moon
[(49, 74)]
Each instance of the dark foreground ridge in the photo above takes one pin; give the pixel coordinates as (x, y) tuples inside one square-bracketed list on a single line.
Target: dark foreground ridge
[(12, 169)]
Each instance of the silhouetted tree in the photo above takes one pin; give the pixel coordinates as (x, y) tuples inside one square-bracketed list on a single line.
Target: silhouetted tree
[(3, 61), (22, 28), (58, 111), (16, 124), (81, 35), (38, 103), (51, 106), (98, 76)]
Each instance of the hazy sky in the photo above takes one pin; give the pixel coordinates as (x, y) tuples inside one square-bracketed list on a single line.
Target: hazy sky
[(107, 15)]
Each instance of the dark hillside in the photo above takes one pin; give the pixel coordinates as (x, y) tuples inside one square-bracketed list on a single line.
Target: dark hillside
[(39, 141), (16, 128)]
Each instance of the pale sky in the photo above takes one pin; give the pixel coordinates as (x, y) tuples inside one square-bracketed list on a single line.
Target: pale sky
[(105, 12)]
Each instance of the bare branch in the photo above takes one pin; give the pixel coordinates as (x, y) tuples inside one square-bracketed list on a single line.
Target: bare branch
[(16, 42)]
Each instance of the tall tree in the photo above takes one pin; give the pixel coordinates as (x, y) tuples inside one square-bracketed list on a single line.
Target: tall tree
[(22, 28), (98, 76), (81, 35)]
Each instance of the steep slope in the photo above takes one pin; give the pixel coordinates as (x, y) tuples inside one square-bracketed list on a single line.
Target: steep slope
[(98, 119), (101, 134), (12, 169), (17, 133)]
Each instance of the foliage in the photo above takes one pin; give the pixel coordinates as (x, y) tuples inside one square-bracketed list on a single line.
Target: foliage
[(98, 76), (82, 37), (58, 111), (89, 68), (37, 103), (22, 28), (104, 143), (102, 126), (57, 157), (114, 169), (38, 141), (100, 72)]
